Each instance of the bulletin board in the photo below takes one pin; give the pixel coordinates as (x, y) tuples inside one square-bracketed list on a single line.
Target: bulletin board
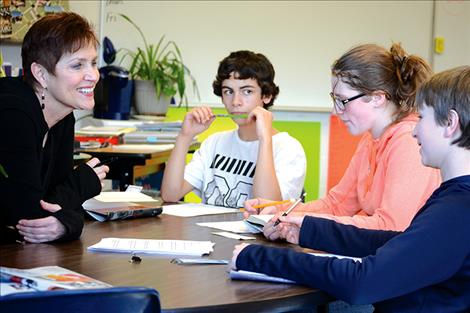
[(16, 16)]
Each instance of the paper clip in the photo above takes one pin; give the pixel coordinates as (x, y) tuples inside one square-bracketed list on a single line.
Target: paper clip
[(135, 258)]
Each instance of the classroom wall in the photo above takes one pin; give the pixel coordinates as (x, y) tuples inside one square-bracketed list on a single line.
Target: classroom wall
[(452, 22), (301, 38)]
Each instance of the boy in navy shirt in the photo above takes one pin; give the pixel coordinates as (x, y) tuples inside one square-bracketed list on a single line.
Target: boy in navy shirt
[(425, 268)]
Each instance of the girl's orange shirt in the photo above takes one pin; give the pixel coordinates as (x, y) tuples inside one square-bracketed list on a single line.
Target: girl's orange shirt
[(384, 185)]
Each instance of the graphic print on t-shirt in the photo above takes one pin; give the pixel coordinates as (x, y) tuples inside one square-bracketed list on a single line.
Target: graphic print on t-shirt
[(220, 192)]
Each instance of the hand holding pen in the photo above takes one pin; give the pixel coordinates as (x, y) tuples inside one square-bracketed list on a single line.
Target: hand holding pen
[(293, 206)]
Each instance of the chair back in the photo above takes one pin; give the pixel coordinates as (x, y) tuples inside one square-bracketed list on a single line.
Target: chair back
[(115, 300)]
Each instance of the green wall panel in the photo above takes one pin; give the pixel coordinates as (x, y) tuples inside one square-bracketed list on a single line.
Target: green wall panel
[(308, 134)]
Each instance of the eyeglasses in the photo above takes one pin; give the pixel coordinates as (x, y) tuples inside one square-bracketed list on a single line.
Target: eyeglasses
[(341, 104)]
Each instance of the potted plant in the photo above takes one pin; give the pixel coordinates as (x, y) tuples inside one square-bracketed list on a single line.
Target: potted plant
[(159, 74)]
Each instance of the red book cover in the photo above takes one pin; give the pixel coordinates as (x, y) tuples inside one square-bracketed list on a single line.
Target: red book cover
[(114, 140)]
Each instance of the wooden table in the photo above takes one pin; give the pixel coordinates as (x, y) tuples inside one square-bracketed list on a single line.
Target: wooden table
[(182, 288)]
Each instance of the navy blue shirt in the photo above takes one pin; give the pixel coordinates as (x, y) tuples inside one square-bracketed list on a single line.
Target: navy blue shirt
[(426, 268)]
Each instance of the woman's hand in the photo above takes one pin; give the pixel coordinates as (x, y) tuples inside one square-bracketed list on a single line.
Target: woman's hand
[(42, 229), (100, 171), (251, 210), (236, 252), (196, 121)]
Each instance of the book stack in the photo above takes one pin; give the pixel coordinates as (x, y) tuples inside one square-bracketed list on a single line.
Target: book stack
[(160, 126), (152, 137), (102, 134), (154, 133)]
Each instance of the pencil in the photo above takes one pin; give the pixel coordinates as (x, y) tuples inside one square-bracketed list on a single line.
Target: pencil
[(262, 206), (291, 208), (234, 116)]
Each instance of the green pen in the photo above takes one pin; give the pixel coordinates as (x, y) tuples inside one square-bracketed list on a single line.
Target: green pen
[(234, 116)]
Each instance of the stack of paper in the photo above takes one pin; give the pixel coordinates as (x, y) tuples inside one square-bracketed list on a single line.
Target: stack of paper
[(252, 225), (104, 130), (161, 126), (139, 148), (195, 209), (165, 247)]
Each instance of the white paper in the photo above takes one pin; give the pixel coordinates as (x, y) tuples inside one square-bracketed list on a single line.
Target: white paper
[(195, 209), (233, 236), (120, 196), (337, 256), (93, 204), (134, 188), (104, 130), (239, 227), (151, 246), (144, 147)]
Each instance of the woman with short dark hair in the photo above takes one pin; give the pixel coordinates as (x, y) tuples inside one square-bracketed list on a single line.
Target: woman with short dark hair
[(43, 193)]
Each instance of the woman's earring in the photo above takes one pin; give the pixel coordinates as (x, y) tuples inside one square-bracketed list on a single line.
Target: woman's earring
[(42, 100)]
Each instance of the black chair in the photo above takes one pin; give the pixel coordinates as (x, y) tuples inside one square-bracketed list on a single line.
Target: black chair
[(115, 300)]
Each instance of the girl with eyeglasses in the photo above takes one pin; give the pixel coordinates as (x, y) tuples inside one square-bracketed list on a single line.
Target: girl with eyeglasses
[(373, 90)]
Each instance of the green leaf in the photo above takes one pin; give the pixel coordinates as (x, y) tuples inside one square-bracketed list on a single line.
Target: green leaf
[(3, 172)]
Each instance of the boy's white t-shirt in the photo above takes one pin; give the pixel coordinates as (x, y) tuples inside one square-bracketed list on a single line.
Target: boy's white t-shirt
[(222, 170)]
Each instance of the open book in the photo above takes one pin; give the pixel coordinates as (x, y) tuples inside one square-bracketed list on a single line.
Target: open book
[(15, 280), (258, 221)]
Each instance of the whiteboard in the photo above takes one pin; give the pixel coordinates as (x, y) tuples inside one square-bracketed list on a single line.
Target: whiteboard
[(301, 38)]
